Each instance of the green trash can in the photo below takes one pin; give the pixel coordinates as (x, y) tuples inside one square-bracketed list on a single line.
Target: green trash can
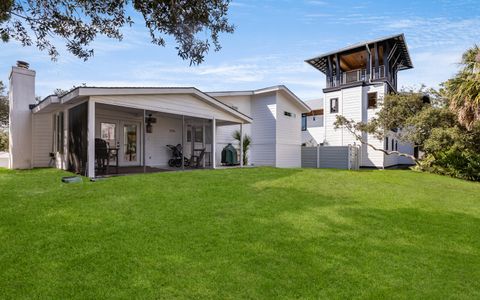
[(229, 155)]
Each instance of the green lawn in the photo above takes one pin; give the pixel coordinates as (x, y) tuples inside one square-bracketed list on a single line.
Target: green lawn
[(258, 233)]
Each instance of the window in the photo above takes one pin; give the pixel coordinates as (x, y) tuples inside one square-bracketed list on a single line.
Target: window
[(198, 134), (396, 145), (386, 143), (334, 105), (107, 133), (59, 134), (393, 144), (372, 100), (189, 134), (130, 142), (304, 122), (289, 114)]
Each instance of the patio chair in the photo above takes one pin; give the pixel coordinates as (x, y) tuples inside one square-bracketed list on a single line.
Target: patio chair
[(195, 160), (102, 156)]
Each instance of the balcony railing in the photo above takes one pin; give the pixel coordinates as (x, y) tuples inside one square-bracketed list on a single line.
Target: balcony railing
[(353, 76)]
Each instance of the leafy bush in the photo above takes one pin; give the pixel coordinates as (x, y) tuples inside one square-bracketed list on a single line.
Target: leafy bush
[(3, 141), (455, 163)]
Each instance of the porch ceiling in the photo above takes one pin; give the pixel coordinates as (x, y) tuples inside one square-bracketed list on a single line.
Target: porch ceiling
[(135, 112)]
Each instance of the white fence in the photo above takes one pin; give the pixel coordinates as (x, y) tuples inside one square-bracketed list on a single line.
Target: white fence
[(336, 157)]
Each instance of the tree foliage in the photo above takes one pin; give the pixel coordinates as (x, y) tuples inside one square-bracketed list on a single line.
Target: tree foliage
[(246, 144), (3, 141), (4, 110), (3, 118), (463, 90), (194, 25), (396, 118)]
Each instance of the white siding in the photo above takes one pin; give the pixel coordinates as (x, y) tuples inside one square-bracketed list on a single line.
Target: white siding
[(167, 131), (353, 104), (333, 137), (288, 132), (224, 137), (42, 139), (264, 113), (408, 149), (370, 157), (351, 108), (242, 103), (315, 133), (175, 104)]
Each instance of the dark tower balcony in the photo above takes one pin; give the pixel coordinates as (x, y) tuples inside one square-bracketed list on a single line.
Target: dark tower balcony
[(364, 63)]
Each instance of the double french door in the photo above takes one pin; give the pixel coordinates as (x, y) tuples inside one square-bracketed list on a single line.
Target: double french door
[(125, 136)]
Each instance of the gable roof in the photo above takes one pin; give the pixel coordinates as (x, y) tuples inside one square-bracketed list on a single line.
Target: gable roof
[(315, 103), (83, 92), (275, 88)]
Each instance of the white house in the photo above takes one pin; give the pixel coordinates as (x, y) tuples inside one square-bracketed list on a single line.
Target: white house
[(313, 130), (357, 79), (275, 129), (138, 123)]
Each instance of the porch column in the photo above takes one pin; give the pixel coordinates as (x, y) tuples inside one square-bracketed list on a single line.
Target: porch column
[(183, 142), (91, 139), (241, 145), (144, 135), (214, 142), (369, 63), (337, 68), (203, 139), (65, 162)]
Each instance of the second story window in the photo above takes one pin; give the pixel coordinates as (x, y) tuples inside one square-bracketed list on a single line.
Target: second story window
[(386, 143), (334, 105), (304, 122), (289, 114), (372, 100)]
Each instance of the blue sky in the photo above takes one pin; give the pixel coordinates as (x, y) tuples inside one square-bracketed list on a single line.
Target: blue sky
[(271, 41)]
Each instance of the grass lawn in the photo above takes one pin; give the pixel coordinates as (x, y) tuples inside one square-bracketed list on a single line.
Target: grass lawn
[(259, 233)]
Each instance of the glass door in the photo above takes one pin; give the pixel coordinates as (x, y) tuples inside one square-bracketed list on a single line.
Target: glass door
[(130, 145), (107, 130)]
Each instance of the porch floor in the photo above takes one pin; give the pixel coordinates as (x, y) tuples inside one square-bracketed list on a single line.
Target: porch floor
[(112, 171)]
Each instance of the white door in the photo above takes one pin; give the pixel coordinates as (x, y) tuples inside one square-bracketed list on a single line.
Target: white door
[(130, 146), (108, 130)]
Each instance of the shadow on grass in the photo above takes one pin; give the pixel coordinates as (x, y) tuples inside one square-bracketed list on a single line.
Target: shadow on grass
[(252, 233)]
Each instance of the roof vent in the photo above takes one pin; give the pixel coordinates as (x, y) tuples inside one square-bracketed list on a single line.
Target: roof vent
[(23, 64)]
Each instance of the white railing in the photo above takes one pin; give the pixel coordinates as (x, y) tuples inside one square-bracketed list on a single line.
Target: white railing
[(353, 76)]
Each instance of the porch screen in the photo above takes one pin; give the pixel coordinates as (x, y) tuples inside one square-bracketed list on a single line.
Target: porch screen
[(77, 138)]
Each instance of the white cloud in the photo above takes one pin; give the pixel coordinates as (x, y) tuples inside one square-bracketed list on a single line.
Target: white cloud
[(317, 2)]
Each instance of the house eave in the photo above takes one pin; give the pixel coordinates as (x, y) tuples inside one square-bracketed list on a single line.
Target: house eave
[(87, 92), (277, 88)]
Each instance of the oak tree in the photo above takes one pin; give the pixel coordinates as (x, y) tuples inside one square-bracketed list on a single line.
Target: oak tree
[(194, 25)]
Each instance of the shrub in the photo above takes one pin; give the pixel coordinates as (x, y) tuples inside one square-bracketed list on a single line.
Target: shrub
[(3, 141)]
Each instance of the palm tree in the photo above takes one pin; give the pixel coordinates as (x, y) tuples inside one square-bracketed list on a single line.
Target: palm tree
[(463, 91), (246, 144)]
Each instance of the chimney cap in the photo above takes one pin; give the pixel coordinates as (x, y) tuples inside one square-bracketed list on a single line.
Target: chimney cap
[(23, 64)]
